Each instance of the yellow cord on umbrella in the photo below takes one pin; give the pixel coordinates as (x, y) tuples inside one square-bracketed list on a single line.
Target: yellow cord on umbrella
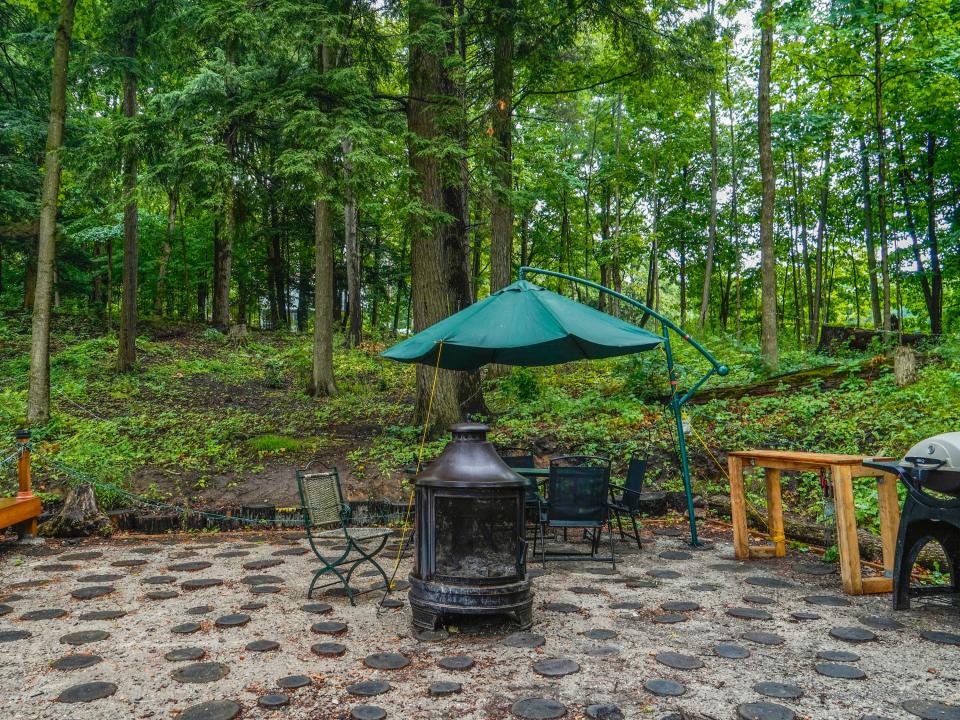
[(423, 442)]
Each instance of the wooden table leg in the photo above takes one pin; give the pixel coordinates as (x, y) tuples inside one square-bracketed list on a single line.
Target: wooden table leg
[(888, 504), (775, 512), (738, 509), (28, 528), (847, 542)]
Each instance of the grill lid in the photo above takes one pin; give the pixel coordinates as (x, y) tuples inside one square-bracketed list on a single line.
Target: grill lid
[(470, 461), (940, 452)]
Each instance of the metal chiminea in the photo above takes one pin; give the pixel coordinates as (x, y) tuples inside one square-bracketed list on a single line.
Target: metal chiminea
[(471, 551)]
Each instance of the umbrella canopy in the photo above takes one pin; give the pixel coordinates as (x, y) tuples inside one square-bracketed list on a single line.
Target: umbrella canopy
[(523, 324)]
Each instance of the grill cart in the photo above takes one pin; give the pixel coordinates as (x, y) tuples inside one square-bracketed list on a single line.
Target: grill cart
[(931, 511)]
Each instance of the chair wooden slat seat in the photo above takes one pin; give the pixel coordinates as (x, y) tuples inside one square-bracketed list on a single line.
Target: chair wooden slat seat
[(354, 533)]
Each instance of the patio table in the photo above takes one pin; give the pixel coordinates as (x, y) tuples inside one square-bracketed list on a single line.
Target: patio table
[(843, 469), (532, 472)]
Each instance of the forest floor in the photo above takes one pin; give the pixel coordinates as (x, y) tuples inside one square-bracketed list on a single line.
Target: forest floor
[(208, 423), (619, 635)]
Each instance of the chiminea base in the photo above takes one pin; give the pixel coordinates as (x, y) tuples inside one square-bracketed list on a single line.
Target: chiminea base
[(430, 601)]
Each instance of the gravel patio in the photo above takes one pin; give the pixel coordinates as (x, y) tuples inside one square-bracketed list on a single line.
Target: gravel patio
[(216, 627)]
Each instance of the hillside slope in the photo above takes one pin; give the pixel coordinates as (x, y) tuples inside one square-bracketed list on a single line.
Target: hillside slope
[(209, 423)]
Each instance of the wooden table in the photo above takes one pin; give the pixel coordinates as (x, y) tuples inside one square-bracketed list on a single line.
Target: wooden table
[(843, 469)]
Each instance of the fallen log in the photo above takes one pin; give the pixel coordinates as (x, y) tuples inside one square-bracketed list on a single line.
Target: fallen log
[(834, 336), (801, 529), (828, 376)]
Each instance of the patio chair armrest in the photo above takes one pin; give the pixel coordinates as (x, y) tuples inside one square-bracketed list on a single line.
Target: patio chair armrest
[(625, 491)]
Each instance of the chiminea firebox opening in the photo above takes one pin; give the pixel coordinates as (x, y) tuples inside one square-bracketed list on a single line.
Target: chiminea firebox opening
[(471, 551), (476, 537)]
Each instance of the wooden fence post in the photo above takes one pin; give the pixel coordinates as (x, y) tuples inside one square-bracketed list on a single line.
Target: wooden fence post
[(23, 465)]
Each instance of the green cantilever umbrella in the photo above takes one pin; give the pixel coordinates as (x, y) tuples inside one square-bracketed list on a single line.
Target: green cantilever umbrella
[(523, 324)]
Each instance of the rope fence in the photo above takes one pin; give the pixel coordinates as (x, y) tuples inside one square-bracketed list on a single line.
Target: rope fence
[(169, 516), (12, 457)]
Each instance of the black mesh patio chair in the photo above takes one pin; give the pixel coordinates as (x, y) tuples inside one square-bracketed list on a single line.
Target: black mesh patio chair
[(534, 504), (625, 501), (517, 457), (327, 517), (577, 498)]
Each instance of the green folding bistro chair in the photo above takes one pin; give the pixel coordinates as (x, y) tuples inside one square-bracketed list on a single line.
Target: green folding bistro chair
[(327, 517)]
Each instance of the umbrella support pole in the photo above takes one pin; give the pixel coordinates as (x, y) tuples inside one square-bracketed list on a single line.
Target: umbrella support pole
[(677, 401)]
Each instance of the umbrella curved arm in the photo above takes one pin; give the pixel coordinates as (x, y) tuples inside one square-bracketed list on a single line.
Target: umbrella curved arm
[(716, 367), (676, 401)]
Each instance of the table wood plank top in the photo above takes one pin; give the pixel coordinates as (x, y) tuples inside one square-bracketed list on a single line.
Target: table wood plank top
[(806, 457)]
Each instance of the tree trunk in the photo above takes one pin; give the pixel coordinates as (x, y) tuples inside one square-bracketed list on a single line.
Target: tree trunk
[(524, 229), (375, 283), (322, 382), (223, 261), (603, 259), (185, 299), (936, 272), (734, 197), (881, 169), (814, 329), (303, 286), (565, 252), (108, 295), (712, 228), (653, 271), (855, 275), (401, 285), (794, 275), (868, 234), (831, 261), (902, 177), (683, 247), (439, 272), (618, 201), (38, 403), (351, 253), (96, 285), (127, 349), (165, 251), (202, 293), (800, 206), (768, 292), (223, 247), (904, 365), (275, 270), (501, 211), (476, 253), (456, 199)]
